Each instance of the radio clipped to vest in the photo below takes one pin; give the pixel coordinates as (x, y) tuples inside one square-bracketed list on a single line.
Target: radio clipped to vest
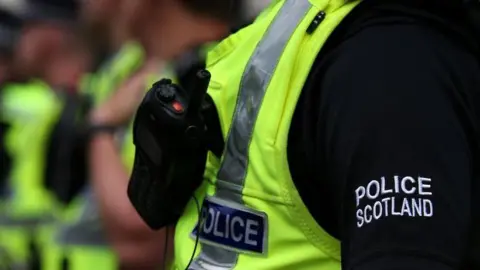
[(172, 140)]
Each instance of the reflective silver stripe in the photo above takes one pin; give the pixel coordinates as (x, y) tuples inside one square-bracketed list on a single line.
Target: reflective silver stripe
[(83, 233), (25, 222), (76, 235), (88, 229), (7, 263), (255, 81), (19, 266)]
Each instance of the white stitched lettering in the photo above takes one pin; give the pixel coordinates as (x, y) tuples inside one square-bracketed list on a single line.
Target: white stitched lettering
[(251, 230), (237, 237), (403, 196), (211, 218), (360, 218), (404, 185), (373, 189), (423, 185), (360, 193), (216, 232)]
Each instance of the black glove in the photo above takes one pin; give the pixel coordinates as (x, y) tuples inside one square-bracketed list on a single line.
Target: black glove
[(171, 151)]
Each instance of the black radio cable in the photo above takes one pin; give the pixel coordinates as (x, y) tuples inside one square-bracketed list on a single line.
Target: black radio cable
[(200, 225), (165, 248), (167, 236)]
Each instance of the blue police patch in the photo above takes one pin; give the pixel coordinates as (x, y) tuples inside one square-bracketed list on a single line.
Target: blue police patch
[(232, 226)]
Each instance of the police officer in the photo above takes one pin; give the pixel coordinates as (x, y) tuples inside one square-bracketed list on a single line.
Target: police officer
[(85, 237), (49, 26), (47, 56), (351, 139), (83, 240)]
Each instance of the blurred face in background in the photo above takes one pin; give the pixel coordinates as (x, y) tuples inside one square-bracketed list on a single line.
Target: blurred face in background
[(167, 28), (36, 44), (68, 66), (99, 21), (51, 52)]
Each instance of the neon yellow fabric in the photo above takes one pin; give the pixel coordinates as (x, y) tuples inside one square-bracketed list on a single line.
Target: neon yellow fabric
[(116, 70), (100, 86), (14, 242), (31, 109), (51, 254), (295, 240), (128, 149), (79, 258)]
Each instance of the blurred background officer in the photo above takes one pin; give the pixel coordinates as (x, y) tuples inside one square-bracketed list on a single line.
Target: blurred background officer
[(49, 46), (352, 140), (85, 237), (111, 157), (9, 28), (48, 59)]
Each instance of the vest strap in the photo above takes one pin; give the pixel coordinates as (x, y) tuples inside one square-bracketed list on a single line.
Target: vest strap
[(87, 229), (253, 86), (29, 222)]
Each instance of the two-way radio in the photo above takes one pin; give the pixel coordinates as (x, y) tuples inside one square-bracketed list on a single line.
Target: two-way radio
[(171, 150)]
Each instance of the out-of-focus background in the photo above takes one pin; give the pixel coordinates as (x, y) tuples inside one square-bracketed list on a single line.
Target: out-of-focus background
[(66, 64)]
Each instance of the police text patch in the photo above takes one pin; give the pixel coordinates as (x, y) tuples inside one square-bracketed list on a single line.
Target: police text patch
[(232, 226), (404, 196)]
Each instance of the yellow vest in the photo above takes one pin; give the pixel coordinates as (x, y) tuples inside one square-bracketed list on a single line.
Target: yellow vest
[(79, 239), (114, 72), (85, 246), (252, 215), (32, 110)]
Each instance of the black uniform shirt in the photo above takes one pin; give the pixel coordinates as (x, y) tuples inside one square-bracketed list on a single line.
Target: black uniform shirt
[(384, 142)]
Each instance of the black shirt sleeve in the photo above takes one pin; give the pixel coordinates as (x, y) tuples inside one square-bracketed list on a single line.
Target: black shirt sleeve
[(395, 132)]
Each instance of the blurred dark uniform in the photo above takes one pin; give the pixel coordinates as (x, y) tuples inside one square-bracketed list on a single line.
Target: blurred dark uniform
[(9, 28), (31, 110)]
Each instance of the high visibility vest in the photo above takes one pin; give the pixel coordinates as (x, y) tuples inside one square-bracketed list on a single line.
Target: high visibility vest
[(252, 216), (31, 110), (80, 240), (114, 72)]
